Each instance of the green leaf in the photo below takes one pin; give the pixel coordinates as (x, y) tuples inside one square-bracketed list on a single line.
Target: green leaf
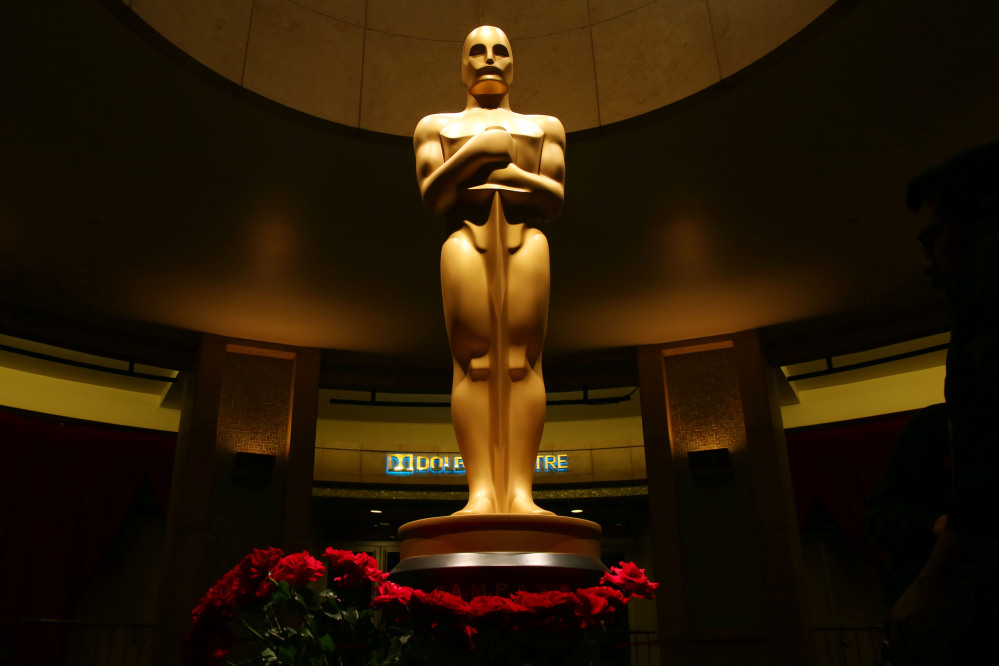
[(331, 602), (285, 589), (286, 634), (326, 643)]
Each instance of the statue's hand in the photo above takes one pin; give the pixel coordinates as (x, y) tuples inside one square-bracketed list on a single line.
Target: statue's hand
[(511, 175), (495, 142)]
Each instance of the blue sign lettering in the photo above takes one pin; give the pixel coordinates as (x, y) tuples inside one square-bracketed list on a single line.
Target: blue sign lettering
[(397, 464)]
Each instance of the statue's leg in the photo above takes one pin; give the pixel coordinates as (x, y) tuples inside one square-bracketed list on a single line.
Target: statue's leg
[(467, 314), (527, 312)]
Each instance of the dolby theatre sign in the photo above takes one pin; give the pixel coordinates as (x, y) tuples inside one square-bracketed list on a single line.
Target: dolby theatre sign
[(398, 464)]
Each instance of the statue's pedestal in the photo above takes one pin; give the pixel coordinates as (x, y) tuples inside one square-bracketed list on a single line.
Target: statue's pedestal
[(499, 554)]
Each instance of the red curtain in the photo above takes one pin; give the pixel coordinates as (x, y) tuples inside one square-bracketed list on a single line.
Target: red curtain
[(839, 464), (65, 488)]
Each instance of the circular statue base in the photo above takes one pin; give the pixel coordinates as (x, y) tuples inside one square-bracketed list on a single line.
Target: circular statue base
[(499, 554)]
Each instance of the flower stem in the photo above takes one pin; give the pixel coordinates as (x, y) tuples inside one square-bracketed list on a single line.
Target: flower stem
[(251, 629)]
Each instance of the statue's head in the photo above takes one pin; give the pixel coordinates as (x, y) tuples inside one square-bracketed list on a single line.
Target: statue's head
[(487, 62)]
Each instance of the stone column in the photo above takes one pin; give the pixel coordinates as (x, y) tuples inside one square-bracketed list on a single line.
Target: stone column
[(725, 537), (242, 474)]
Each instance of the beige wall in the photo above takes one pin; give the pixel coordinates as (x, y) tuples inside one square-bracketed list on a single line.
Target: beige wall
[(603, 443)]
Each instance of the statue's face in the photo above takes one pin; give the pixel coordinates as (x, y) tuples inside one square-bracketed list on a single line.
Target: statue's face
[(487, 62)]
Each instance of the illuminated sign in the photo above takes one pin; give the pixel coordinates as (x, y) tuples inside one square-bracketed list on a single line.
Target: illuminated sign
[(397, 464), (558, 462)]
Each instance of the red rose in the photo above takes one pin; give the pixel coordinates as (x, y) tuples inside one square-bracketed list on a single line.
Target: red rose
[(252, 573), (219, 601), (629, 578), (550, 611), (439, 600), (595, 604), (394, 599), (488, 605), (614, 597), (447, 614), (390, 594), (542, 601), (298, 569), (210, 638), (349, 569), (587, 604)]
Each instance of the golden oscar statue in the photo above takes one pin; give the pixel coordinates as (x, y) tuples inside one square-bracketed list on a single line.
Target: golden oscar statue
[(494, 175)]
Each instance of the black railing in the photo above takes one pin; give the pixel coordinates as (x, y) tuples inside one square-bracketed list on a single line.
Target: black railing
[(636, 648), (80, 643), (850, 646), (129, 372)]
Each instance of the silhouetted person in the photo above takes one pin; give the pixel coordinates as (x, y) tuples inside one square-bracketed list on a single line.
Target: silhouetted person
[(957, 204), (908, 509)]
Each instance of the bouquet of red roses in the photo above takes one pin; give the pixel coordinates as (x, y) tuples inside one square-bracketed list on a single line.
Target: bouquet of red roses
[(262, 611), (280, 619), (440, 627)]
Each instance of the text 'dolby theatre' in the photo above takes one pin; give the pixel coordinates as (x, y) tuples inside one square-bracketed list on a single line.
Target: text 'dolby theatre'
[(413, 463)]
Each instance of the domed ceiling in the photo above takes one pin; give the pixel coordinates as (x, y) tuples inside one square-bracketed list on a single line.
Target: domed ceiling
[(227, 172), (384, 64)]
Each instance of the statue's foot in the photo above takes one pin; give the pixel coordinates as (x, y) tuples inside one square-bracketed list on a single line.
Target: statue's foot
[(477, 505), (523, 504)]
